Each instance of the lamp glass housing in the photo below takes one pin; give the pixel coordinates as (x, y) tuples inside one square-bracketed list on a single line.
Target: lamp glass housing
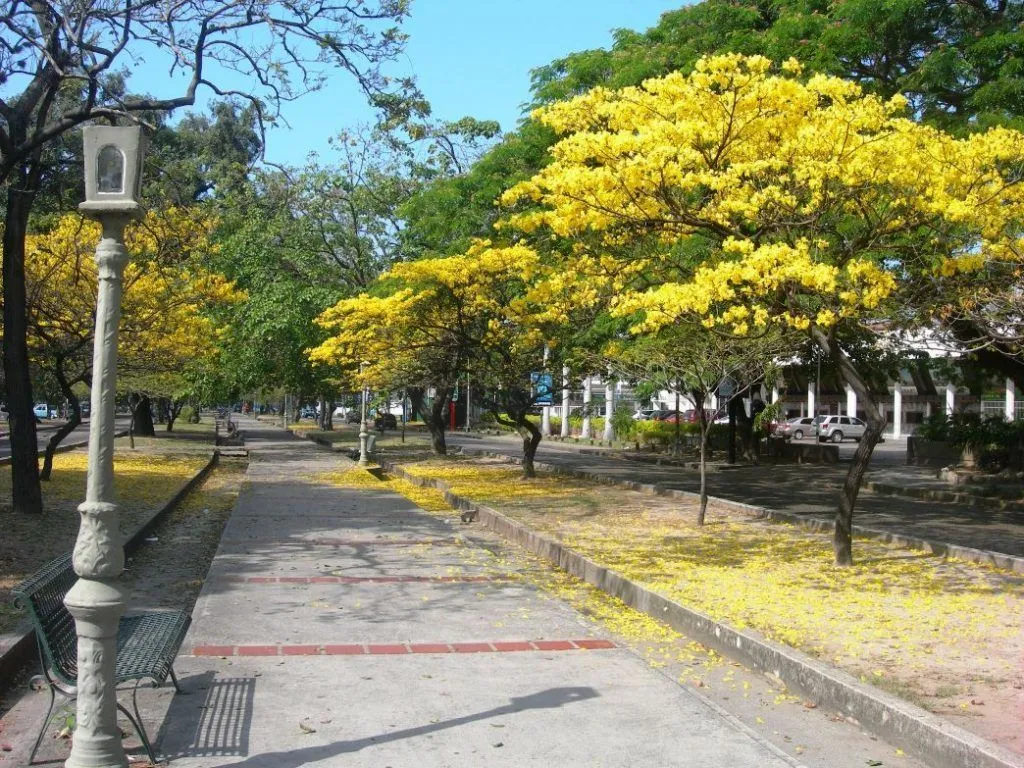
[(113, 168)]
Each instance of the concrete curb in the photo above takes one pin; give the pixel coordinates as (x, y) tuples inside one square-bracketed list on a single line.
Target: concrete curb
[(930, 494), (18, 648), (940, 743), (64, 447), (970, 554)]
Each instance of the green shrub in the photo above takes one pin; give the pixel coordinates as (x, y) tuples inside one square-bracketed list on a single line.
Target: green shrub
[(995, 442), (622, 423), (935, 427), (189, 414)]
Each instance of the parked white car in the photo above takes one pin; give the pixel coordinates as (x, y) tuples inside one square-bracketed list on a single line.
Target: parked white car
[(839, 428), (42, 411)]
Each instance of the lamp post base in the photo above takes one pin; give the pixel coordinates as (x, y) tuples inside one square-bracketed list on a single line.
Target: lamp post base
[(364, 460), (97, 606)]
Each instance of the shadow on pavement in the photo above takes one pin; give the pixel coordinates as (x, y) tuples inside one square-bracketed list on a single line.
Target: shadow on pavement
[(219, 727), (222, 713)]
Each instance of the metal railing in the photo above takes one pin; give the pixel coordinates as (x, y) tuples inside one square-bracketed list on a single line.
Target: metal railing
[(995, 407)]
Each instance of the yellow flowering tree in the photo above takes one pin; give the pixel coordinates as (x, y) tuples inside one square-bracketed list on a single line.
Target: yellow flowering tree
[(168, 326), (428, 321), (777, 200)]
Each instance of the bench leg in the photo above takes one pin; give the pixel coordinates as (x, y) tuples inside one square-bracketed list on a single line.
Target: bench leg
[(137, 723), (46, 722), (177, 688)]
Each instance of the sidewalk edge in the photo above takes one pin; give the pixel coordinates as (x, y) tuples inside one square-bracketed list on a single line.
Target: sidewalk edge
[(940, 743)]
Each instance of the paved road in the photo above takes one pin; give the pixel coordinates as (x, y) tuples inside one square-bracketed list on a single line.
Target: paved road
[(45, 430), (808, 489)]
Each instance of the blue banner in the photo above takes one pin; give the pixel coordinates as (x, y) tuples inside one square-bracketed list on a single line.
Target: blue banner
[(541, 388)]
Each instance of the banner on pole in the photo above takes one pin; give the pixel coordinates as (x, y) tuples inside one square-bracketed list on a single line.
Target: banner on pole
[(542, 392)]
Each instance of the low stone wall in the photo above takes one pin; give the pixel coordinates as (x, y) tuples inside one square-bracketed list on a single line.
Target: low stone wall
[(930, 453), (804, 452)]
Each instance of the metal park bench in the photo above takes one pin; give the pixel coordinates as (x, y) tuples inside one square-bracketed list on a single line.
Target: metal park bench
[(146, 644)]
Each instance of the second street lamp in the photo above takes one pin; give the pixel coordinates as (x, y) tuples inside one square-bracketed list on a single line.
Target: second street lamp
[(364, 459)]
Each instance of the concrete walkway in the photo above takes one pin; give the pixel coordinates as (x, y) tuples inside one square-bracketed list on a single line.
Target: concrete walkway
[(810, 490), (345, 627)]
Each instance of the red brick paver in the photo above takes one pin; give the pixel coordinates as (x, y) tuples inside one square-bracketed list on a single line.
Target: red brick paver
[(393, 649)]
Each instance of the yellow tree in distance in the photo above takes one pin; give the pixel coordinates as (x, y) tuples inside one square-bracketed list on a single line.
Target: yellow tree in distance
[(775, 199), (168, 310), (428, 321)]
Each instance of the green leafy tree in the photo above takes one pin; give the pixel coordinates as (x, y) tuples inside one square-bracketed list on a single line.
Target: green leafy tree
[(60, 64)]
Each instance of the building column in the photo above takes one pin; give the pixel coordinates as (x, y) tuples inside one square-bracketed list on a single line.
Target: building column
[(609, 409), (851, 401), (775, 394), (588, 389), (565, 401), (1011, 397), (950, 399), (810, 399), (897, 411)]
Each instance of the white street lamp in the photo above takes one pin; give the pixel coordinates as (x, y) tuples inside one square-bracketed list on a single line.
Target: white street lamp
[(364, 460), (113, 178)]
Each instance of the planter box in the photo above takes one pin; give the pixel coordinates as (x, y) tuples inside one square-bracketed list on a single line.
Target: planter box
[(931, 453)]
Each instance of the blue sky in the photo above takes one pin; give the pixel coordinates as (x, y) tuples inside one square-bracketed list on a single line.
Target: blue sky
[(470, 57)]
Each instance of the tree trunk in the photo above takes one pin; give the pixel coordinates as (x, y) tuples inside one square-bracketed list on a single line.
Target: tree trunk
[(163, 404), (732, 431), (842, 539), (437, 421), (173, 411), (142, 416), (435, 417), (677, 444), (328, 411), (26, 494), (76, 419), (531, 439)]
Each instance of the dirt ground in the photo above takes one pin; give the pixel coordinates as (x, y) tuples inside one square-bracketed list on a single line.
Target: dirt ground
[(158, 577), (147, 476)]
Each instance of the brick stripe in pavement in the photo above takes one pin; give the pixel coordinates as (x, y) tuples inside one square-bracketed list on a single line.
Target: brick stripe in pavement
[(345, 542), (365, 579), (379, 649)]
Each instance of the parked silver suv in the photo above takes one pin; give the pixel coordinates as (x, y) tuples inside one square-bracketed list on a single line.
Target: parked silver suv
[(837, 428)]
